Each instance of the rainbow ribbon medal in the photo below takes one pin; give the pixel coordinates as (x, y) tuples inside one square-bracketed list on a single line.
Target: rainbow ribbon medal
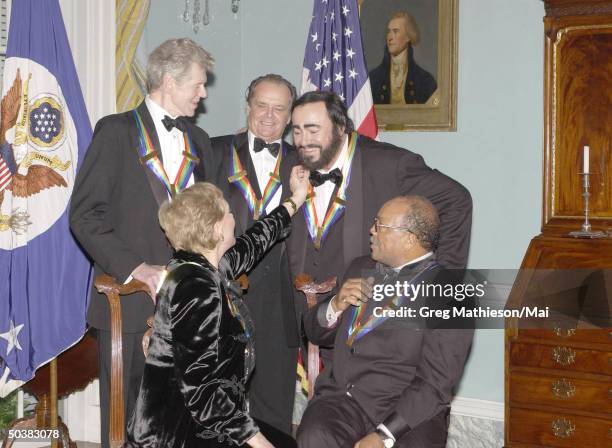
[(318, 232), (358, 329), (148, 157), (238, 176)]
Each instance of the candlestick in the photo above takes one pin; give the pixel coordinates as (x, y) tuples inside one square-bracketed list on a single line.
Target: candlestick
[(586, 231)]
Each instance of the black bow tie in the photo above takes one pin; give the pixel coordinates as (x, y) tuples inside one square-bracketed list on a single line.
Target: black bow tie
[(317, 178), (259, 144), (386, 272), (170, 123)]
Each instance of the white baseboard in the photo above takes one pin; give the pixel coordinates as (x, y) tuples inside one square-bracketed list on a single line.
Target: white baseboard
[(471, 407)]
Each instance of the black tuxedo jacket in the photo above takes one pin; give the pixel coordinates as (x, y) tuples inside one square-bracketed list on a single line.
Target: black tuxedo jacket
[(114, 206), (403, 372), (380, 171), (269, 282)]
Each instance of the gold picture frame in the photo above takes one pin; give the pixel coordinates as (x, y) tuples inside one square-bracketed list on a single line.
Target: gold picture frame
[(439, 51)]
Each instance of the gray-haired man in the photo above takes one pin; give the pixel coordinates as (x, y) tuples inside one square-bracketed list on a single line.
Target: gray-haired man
[(136, 160)]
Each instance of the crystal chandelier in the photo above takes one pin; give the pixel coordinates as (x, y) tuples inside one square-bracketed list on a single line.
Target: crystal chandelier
[(198, 16)]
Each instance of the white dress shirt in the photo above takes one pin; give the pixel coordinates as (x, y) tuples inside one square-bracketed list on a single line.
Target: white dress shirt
[(172, 143), (324, 191), (264, 164)]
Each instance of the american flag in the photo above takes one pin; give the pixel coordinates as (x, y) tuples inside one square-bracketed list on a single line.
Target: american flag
[(334, 60)]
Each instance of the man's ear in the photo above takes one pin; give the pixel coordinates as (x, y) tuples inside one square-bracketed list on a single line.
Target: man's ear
[(168, 82), (412, 238)]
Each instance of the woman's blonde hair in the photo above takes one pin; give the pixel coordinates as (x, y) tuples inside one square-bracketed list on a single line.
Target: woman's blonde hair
[(189, 218)]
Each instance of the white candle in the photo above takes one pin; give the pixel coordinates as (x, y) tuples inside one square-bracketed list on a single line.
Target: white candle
[(585, 160)]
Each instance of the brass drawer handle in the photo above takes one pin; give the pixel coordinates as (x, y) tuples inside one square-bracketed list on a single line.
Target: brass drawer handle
[(563, 389), (565, 356), (563, 428), (565, 332)]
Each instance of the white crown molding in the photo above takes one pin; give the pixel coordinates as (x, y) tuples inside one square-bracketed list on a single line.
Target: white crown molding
[(472, 407)]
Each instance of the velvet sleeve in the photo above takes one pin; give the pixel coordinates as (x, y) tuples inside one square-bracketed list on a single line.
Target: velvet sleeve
[(211, 386), (257, 240)]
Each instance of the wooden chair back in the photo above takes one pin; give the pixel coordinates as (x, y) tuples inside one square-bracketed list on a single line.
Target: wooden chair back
[(108, 286), (305, 284)]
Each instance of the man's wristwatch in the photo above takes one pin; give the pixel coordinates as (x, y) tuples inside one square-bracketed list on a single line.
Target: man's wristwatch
[(387, 441)]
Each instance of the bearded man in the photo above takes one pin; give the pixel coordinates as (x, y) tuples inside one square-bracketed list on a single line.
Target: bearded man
[(352, 176)]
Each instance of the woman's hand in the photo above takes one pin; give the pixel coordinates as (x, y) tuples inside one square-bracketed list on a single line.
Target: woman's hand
[(299, 184), (259, 441)]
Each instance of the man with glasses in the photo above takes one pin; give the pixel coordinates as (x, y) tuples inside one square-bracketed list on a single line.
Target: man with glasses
[(391, 379), (352, 176)]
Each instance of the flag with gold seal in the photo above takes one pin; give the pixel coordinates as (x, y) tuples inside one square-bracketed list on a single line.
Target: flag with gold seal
[(44, 133)]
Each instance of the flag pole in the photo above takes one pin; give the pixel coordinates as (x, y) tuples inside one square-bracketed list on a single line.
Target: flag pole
[(53, 398)]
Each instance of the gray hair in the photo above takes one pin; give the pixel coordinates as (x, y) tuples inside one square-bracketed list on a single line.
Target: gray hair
[(410, 25), (421, 217), (174, 57)]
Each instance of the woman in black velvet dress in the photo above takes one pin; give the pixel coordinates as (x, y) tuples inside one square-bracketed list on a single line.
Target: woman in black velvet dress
[(201, 350)]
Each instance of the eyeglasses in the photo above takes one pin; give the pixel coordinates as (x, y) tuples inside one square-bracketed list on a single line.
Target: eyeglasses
[(378, 225)]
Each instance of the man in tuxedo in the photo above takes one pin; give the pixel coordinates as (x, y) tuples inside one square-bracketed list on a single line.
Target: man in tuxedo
[(391, 379), (249, 175), (352, 176), (136, 161), (399, 79)]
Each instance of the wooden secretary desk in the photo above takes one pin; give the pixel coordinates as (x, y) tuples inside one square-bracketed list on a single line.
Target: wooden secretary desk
[(558, 378)]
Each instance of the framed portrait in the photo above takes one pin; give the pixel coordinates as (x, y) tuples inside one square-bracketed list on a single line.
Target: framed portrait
[(410, 49)]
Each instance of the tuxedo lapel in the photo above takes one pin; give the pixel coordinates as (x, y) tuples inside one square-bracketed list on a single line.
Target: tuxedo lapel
[(247, 162), (353, 225), (157, 187), (238, 204), (416, 274), (296, 243)]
